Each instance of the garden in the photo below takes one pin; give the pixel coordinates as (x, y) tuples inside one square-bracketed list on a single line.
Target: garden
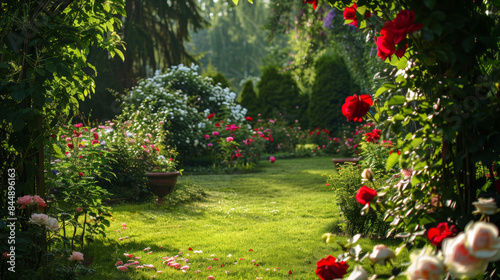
[(342, 140)]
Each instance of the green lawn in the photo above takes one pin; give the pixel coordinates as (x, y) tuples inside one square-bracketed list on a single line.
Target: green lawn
[(275, 217)]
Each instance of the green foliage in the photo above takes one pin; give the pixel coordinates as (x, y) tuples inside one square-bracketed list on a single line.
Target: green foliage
[(278, 93), (249, 100), (44, 71), (345, 185), (332, 84)]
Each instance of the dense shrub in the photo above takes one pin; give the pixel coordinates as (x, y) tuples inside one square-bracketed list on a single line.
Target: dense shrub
[(345, 185), (186, 99), (135, 140), (330, 88), (249, 100), (278, 93)]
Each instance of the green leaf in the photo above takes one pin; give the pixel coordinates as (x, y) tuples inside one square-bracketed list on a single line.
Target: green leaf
[(57, 150), (396, 100), (385, 87), (391, 161), (120, 54)]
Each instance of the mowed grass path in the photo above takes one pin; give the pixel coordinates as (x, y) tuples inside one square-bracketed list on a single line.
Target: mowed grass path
[(275, 217)]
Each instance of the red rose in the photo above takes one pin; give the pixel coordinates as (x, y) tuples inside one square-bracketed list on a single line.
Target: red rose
[(394, 32), (80, 174), (373, 136), (350, 14), (53, 136), (70, 145), (438, 234), (211, 116), (356, 107), (249, 119), (329, 269), (365, 195), (402, 25), (96, 136), (238, 154), (217, 125), (313, 2)]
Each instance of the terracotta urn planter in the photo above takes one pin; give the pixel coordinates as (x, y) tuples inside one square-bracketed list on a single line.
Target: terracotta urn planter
[(162, 183)]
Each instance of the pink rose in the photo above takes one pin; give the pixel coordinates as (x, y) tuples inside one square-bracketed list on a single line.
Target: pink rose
[(272, 159), (79, 209), (481, 240), (210, 144), (215, 133), (38, 200), (425, 267), (229, 139), (460, 262), (207, 136), (25, 201)]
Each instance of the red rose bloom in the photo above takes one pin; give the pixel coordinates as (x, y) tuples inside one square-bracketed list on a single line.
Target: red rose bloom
[(438, 234), (217, 125), (373, 136), (81, 174), (96, 136), (238, 154), (394, 32), (313, 2), (70, 146), (365, 195), (402, 25), (356, 107), (249, 119), (211, 116), (350, 14), (329, 269)]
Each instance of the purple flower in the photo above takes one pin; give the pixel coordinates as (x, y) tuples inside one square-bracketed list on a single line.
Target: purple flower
[(328, 20)]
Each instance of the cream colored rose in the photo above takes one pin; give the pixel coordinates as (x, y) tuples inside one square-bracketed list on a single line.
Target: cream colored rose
[(53, 225), (381, 254), (359, 273), (39, 219), (460, 262), (481, 240), (367, 174), (425, 267), (76, 256), (486, 206)]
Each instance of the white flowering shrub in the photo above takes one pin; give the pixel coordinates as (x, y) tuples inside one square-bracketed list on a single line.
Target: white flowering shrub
[(186, 99)]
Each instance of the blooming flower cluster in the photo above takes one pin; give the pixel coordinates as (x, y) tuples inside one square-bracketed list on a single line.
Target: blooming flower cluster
[(186, 102)]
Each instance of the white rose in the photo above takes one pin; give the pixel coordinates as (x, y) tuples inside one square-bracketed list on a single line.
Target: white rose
[(425, 267), (482, 240), (381, 254), (459, 260), (359, 273), (486, 206), (53, 225), (39, 219)]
